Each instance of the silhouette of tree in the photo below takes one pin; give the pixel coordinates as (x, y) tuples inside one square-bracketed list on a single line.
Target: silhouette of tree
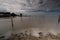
[(20, 14), (4, 14), (13, 14)]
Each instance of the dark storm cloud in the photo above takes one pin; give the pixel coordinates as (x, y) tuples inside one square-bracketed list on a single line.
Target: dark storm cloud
[(47, 5), (52, 4), (57, 2)]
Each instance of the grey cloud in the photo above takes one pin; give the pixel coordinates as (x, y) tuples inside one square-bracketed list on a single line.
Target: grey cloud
[(3, 9), (30, 4)]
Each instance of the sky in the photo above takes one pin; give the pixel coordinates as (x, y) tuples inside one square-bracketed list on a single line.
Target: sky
[(29, 5)]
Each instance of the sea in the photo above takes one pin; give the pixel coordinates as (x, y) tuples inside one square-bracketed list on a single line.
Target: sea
[(32, 24)]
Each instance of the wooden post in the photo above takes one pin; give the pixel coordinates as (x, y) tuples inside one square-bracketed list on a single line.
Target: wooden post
[(59, 20), (12, 23), (21, 16)]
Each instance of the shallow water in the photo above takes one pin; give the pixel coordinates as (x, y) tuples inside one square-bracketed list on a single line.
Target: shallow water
[(45, 23), (33, 24)]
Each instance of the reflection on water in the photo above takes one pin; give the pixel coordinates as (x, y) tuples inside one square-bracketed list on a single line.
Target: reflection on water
[(44, 23), (5, 25)]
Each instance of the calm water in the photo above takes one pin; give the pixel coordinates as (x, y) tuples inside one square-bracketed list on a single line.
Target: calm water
[(35, 24)]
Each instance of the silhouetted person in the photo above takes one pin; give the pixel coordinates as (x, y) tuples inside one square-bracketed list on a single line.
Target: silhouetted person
[(59, 20), (20, 14)]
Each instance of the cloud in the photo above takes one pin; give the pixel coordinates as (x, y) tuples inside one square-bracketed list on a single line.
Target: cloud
[(24, 5), (3, 9)]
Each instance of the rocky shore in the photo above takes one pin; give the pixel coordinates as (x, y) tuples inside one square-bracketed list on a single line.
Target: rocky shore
[(25, 36)]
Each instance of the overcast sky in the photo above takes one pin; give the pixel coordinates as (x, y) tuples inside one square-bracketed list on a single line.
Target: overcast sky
[(23, 5)]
